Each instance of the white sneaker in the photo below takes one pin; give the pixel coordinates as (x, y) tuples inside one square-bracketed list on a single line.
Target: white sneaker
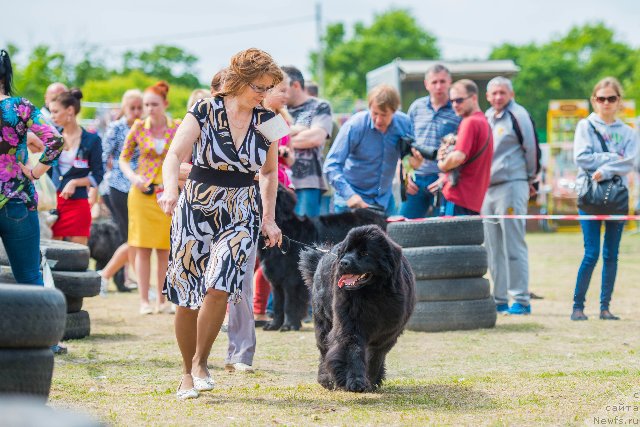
[(240, 367), (145, 309), (104, 284), (191, 393)]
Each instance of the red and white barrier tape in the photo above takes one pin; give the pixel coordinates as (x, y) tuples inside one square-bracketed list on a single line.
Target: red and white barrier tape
[(529, 217)]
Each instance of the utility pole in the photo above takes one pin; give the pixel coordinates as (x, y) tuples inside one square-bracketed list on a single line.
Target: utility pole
[(320, 59)]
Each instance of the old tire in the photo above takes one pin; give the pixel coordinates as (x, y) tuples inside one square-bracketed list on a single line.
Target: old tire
[(78, 326), (437, 232), (26, 371), (437, 316), (77, 284), (30, 316), (74, 304), (447, 262), (65, 256), (453, 289), (68, 256)]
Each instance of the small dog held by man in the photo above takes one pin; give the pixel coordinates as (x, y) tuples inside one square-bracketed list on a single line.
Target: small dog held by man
[(362, 293)]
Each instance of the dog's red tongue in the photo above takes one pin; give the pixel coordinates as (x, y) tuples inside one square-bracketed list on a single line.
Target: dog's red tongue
[(347, 279)]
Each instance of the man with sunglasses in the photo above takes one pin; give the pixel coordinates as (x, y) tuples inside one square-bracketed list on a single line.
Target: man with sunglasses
[(471, 155), (432, 117), (513, 171), (312, 125)]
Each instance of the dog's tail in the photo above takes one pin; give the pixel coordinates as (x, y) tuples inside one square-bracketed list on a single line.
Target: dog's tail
[(309, 260)]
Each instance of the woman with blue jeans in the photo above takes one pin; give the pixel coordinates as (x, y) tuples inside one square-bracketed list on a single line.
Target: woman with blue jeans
[(622, 146), (19, 226)]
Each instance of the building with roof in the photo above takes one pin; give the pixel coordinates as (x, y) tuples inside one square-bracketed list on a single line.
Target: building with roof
[(407, 76)]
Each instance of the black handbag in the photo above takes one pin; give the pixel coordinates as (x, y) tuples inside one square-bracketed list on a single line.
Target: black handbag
[(607, 197)]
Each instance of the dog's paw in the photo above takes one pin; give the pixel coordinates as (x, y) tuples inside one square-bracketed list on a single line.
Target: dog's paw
[(358, 385), (272, 326), (289, 327)]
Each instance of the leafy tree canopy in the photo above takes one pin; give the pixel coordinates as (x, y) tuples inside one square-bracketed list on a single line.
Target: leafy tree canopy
[(393, 34)]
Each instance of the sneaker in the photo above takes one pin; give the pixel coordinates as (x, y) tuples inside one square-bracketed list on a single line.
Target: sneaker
[(58, 349), (240, 367), (519, 309), (502, 308), (578, 314), (104, 284), (145, 309), (607, 315)]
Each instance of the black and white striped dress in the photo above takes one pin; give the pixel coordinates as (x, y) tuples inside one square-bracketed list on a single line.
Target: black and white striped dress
[(215, 227)]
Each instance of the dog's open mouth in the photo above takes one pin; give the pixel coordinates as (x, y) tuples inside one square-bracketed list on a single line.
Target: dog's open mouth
[(352, 281)]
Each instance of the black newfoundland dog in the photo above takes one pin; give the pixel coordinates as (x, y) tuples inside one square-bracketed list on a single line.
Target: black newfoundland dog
[(290, 295), (104, 239), (362, 293)]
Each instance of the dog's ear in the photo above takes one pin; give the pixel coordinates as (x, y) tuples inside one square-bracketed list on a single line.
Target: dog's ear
[(393, 254)]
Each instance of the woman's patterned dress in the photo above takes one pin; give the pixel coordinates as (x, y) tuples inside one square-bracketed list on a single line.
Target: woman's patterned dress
[(215, 227)]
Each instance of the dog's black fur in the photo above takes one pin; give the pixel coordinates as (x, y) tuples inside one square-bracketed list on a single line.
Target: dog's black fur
[(290, 295), (104, 239), (357, 325)]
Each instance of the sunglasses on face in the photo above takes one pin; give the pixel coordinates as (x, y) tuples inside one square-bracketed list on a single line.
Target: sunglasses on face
[(609, 99), (460, 100), (260, 89)]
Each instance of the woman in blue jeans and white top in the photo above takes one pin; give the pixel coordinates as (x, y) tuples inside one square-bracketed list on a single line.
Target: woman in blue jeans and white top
[(19, 226), (622, 144)]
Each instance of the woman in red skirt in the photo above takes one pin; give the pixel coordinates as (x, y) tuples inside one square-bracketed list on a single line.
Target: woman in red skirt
[(79, 168)]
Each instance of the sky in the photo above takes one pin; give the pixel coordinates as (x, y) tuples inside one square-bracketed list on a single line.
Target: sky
[(214, 30)]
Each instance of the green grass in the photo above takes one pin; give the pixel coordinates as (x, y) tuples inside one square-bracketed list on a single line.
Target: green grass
[(539, 369)]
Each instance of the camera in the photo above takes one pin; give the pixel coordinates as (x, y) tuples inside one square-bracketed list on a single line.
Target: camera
[(407, 143)]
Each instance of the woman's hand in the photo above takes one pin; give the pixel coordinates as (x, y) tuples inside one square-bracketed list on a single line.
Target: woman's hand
[(271, 232), (68, 189), (168, 201), (26, 171), (597, 176), (141, 183)]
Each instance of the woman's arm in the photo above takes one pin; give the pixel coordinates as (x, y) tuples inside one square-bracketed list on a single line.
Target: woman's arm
[(181, 146), (96, 167), (49, 136), (584, 154), (268, 190), (623, 164), (128, 149)]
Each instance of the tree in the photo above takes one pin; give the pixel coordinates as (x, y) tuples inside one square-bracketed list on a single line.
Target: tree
[(44, 68), (164, 62), (569, 66), (111, 90), (393, 34)]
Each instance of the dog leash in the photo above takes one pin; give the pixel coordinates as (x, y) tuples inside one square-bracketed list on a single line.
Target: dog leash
[(286, 241)]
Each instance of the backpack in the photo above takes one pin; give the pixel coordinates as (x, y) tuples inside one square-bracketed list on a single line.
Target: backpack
[(516, 129)]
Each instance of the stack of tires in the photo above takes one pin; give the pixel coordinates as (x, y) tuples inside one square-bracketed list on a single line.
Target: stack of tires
[(69, 267), (449, 263), (32, 320)]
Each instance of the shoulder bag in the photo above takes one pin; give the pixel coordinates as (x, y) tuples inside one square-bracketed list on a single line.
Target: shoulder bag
[(607, 197)]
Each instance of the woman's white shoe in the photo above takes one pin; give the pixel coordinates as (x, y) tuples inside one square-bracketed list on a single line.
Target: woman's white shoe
[(203, 384), (190, 393)]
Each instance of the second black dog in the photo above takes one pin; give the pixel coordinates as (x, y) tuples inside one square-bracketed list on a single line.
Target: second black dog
[(104, 239), (290, 295), (363, 294)]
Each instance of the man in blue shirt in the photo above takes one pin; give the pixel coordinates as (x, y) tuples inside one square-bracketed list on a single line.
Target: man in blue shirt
[(364, 157), (432, 117)]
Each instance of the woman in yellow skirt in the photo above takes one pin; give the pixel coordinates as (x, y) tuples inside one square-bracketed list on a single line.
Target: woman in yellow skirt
[(149, 227)]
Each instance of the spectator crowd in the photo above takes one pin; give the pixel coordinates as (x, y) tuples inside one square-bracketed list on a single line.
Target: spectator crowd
[(488, 166)]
